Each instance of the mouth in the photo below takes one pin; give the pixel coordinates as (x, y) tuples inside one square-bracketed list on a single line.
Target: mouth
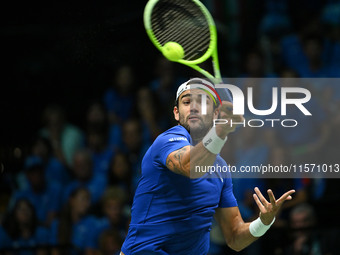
[(194, 118)]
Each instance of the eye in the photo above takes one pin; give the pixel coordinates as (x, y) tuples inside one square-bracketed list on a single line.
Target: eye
[(186, 102)]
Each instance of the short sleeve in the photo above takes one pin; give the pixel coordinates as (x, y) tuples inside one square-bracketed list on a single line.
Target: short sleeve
[(168, 142), (227, 196)]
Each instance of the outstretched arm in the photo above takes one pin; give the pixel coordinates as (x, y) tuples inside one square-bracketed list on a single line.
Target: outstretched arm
[(185, 160), (239, 234)]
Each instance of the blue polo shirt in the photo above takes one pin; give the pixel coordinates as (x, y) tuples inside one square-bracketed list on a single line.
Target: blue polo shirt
[(172, 214), (38, 238)]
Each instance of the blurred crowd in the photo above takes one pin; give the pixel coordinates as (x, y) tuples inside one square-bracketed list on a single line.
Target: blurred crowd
[(75, 190)]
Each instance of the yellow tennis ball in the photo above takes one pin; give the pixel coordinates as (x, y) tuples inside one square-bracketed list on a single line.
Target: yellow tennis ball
[(173, 51)]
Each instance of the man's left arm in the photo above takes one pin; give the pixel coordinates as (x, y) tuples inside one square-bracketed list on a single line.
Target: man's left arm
[(239, 234)]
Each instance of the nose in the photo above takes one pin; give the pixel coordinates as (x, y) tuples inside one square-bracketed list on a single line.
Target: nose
[(195, 106)]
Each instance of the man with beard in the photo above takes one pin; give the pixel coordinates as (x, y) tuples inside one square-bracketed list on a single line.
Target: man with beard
[(174, 204)]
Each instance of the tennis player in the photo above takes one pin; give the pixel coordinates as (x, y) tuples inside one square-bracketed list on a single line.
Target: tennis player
[(172, 209)]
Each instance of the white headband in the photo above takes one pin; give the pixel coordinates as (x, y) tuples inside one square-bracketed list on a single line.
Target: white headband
[(196, 83)]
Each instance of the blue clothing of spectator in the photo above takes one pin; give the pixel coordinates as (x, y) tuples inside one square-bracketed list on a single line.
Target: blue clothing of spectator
[(56, 172), (120, 105), (101, 225), (294, 57), (136, 161), (96, 185), (292, 52), (45, 202), (316, 186), (101, 161), (80, 232), (324, 72), (39, 238), (115, 136), (307, 129)]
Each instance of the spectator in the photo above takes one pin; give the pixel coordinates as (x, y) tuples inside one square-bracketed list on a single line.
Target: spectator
[(312, 46), (110, 243), (308, 138), (120, 173), (55, 171), (101, 152), (84, 177), (249, 151), (148, 113), (165, 80), (114, 219), (71, 231), (64, 137), (97, 120), (21, 232), (306, 238), (254, 65), (134, 147), (44, 197), (118, 98)]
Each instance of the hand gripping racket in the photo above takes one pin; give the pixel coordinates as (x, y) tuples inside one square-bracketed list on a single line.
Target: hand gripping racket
[(189, 29)]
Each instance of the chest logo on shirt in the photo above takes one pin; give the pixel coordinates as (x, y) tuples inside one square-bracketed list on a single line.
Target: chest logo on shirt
[(178, 139)]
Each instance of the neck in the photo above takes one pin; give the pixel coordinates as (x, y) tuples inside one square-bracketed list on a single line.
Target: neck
[(25, 230), (75, 216), (196, 140)]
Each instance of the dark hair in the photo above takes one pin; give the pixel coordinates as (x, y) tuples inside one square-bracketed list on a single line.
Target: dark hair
[(53, 109), (11, 224), (312, 37), (65, 223), (113, 180), (97, 127), (37, 139)]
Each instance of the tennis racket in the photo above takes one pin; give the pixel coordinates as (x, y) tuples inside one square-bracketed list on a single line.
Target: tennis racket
[(189, 24)]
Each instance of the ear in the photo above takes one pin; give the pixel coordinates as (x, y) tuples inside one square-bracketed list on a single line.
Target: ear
[(176, 113)]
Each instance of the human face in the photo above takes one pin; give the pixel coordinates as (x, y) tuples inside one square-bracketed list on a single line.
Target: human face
[(189, 113), (112, 209), (23, 212), (80, 202), (82, 166)]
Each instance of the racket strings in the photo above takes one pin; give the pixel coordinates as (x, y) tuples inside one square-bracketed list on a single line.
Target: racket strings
[(181, 21)]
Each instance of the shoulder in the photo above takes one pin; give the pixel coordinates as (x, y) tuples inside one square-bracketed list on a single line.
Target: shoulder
[(90, 220), (42, 233), (101, 223), (175, 133)]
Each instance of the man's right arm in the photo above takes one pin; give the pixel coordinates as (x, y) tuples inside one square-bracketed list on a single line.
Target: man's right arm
[(184, 161)]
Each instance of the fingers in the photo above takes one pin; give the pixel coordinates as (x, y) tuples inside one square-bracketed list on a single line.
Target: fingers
[(226, 112), (259, 204), (271, 197), (226, 109), (261, 197), (285, 196)]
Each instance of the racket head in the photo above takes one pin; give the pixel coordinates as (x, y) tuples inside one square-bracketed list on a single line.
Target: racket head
[(186, 22)]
